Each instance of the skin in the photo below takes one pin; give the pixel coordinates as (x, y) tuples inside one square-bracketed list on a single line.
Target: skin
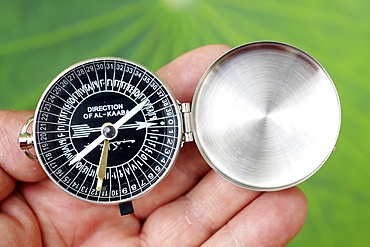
[(192, 206)]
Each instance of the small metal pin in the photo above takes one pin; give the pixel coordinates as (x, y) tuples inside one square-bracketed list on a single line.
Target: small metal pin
[(25, 139)]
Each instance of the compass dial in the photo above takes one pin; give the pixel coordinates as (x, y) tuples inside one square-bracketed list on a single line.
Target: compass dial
[(107, 130)]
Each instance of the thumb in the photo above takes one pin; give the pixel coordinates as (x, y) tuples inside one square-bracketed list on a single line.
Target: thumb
[(12, 159)]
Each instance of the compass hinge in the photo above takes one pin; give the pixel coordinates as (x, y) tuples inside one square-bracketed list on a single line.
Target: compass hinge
[(186, 114)]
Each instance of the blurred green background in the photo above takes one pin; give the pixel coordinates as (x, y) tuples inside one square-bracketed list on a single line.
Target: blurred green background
[(38, 39)]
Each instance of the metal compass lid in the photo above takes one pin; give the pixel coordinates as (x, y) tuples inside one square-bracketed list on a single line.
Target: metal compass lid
[(266, 116)]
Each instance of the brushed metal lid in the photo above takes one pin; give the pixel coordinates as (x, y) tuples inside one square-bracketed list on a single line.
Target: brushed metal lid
[(266, 116)]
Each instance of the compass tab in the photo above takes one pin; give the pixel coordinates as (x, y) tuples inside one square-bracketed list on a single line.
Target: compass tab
[(126, 208)]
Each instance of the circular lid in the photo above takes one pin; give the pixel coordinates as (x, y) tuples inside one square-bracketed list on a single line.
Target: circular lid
[(266, 116)]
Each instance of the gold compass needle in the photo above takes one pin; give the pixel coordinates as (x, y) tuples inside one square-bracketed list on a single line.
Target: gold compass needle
[(102, 168)]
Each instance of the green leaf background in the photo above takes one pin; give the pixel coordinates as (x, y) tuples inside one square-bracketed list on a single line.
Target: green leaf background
[(38, 39)]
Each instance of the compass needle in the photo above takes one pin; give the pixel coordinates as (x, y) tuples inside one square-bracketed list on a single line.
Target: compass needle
[(102, 168), (84, 130)]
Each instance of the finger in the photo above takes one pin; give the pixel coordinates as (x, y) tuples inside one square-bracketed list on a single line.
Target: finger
[(194, 218), (7, 184), (12, 159), (182, 75), (18, 226), (273, 219)]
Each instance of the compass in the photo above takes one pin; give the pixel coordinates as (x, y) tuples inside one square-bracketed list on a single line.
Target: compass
[(106, 130), (265, 116)]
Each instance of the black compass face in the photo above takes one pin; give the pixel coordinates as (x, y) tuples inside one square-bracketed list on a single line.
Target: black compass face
[(107, 130)]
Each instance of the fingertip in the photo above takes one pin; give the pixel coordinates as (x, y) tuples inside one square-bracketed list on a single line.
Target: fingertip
[(7, 184), (291, 214), (272, 219), (299, 199), (184, 73), (278, 216), (293, 206), (12, 158)]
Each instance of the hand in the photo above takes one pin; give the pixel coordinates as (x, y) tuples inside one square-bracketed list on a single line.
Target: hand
[(191, 206)]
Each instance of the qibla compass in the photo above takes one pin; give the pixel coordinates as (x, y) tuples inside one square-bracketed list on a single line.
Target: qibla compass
[(265, 116)]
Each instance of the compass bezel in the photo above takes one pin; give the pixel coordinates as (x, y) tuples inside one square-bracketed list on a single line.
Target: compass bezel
[(162, 88)]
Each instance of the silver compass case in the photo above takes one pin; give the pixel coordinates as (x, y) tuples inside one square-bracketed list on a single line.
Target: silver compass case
[(266, 116)]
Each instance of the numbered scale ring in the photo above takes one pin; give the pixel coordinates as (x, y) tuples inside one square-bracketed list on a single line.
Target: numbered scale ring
[(265, 116), (107, 130)]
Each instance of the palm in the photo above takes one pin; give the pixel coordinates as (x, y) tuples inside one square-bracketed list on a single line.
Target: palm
[(65, 220), (191, 206)]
